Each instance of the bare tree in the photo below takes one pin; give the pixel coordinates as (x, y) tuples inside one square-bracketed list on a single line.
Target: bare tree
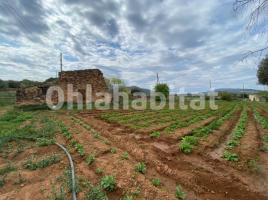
[(258, 9)]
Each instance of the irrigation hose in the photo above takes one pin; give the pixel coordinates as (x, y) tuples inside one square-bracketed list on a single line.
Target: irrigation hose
[(72, 169)]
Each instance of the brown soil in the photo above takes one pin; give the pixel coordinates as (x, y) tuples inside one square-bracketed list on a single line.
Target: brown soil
[(201, 177)]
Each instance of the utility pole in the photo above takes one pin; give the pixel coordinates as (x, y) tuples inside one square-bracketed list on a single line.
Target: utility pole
[(60, 62), (210, 84), (157, 78), (243, 92)]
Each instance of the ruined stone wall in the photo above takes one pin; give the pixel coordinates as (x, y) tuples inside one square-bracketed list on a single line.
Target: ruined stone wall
[(31, 95), (80, 78)]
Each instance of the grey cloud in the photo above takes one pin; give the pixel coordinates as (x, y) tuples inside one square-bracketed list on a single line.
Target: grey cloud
[(24, 16)]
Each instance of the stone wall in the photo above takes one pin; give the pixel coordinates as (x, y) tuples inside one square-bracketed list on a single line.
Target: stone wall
[(80, 79)]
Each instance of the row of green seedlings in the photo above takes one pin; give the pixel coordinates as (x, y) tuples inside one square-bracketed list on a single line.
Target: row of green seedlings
[(236, 135), (189, 142), (3, 173), (94, 133), (183, 123), (264, 124), (108, 184)]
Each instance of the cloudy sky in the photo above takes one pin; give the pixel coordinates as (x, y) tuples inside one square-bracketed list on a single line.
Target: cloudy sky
[(187, 42)]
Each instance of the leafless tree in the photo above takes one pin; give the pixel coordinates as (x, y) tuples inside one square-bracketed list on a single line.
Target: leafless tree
[(258, 10)]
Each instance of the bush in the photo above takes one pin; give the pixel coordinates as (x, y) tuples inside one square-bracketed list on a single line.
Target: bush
[(162, 88), (108, 183), (226, 96)]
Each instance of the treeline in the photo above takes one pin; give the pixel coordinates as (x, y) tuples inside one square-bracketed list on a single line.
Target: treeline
[(24, 83)]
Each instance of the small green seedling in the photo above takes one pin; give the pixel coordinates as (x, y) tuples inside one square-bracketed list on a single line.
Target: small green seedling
[(141, 167), (125, 156), (156, 182), (108, 183), (155, 134), (179, 193), (90, 159)]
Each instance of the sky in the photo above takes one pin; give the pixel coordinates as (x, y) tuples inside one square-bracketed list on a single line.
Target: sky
[(188, 43)]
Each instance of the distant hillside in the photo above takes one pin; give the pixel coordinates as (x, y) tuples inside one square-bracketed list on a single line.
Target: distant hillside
[(237, 90)]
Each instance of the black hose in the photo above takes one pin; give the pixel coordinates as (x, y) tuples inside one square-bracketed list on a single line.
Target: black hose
[(72, 170)]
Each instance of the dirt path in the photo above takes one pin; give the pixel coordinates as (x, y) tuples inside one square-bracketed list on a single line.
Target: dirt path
[(207, 181)]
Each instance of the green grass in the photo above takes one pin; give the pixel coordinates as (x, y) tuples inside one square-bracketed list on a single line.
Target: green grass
[(7, 98), (155, 134)]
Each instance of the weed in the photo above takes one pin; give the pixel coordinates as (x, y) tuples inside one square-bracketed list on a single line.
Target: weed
[(156, 182), (58, 195), (2, 181), (113, 150), (108, 183), (230, 156), (19, 180), (127, 197), (253, 166), (141, 167), (50, 160), (125, 156), (155, 134), (179, 192), (96, 193), (44, 142), (7, 169), (264, 148), (265, 137), (90, 159), (99, 171)]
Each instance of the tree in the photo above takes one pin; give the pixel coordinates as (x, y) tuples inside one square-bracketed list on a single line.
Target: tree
[(257, 16), (262, 72), (226, 96), (163, 88)]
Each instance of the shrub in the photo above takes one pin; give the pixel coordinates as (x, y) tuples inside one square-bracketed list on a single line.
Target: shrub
[(140, 167), (90, 159), (162, 88), (179, 193), (108, 183)]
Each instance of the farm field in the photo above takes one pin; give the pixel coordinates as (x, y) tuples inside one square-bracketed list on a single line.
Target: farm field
[(126, 154)]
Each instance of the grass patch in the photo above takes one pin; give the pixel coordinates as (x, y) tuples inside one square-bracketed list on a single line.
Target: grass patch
[(108, 183), (7, 169)]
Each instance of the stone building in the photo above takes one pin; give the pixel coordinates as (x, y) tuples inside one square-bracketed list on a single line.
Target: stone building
[(79, 79)]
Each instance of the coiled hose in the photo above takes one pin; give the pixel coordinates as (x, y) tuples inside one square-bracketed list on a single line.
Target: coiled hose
[(72, 170)]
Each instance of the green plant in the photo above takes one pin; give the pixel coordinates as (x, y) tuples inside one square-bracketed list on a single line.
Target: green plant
[(96, 193), (113, 150), (230, 156), (58, 195), (90, 159), (156, 182), (80, 149), (265, 137), (155, 134), (108, 183), (7, 169), (44, 142), (127, 197), (264, 148), (99, 171), (141, 167), (50, 160), (125, 156), (179, 192), (2, 182), (253, 166)]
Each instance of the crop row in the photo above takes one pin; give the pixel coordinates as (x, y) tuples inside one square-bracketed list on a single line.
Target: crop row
[(237, 133), (188, 143)]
